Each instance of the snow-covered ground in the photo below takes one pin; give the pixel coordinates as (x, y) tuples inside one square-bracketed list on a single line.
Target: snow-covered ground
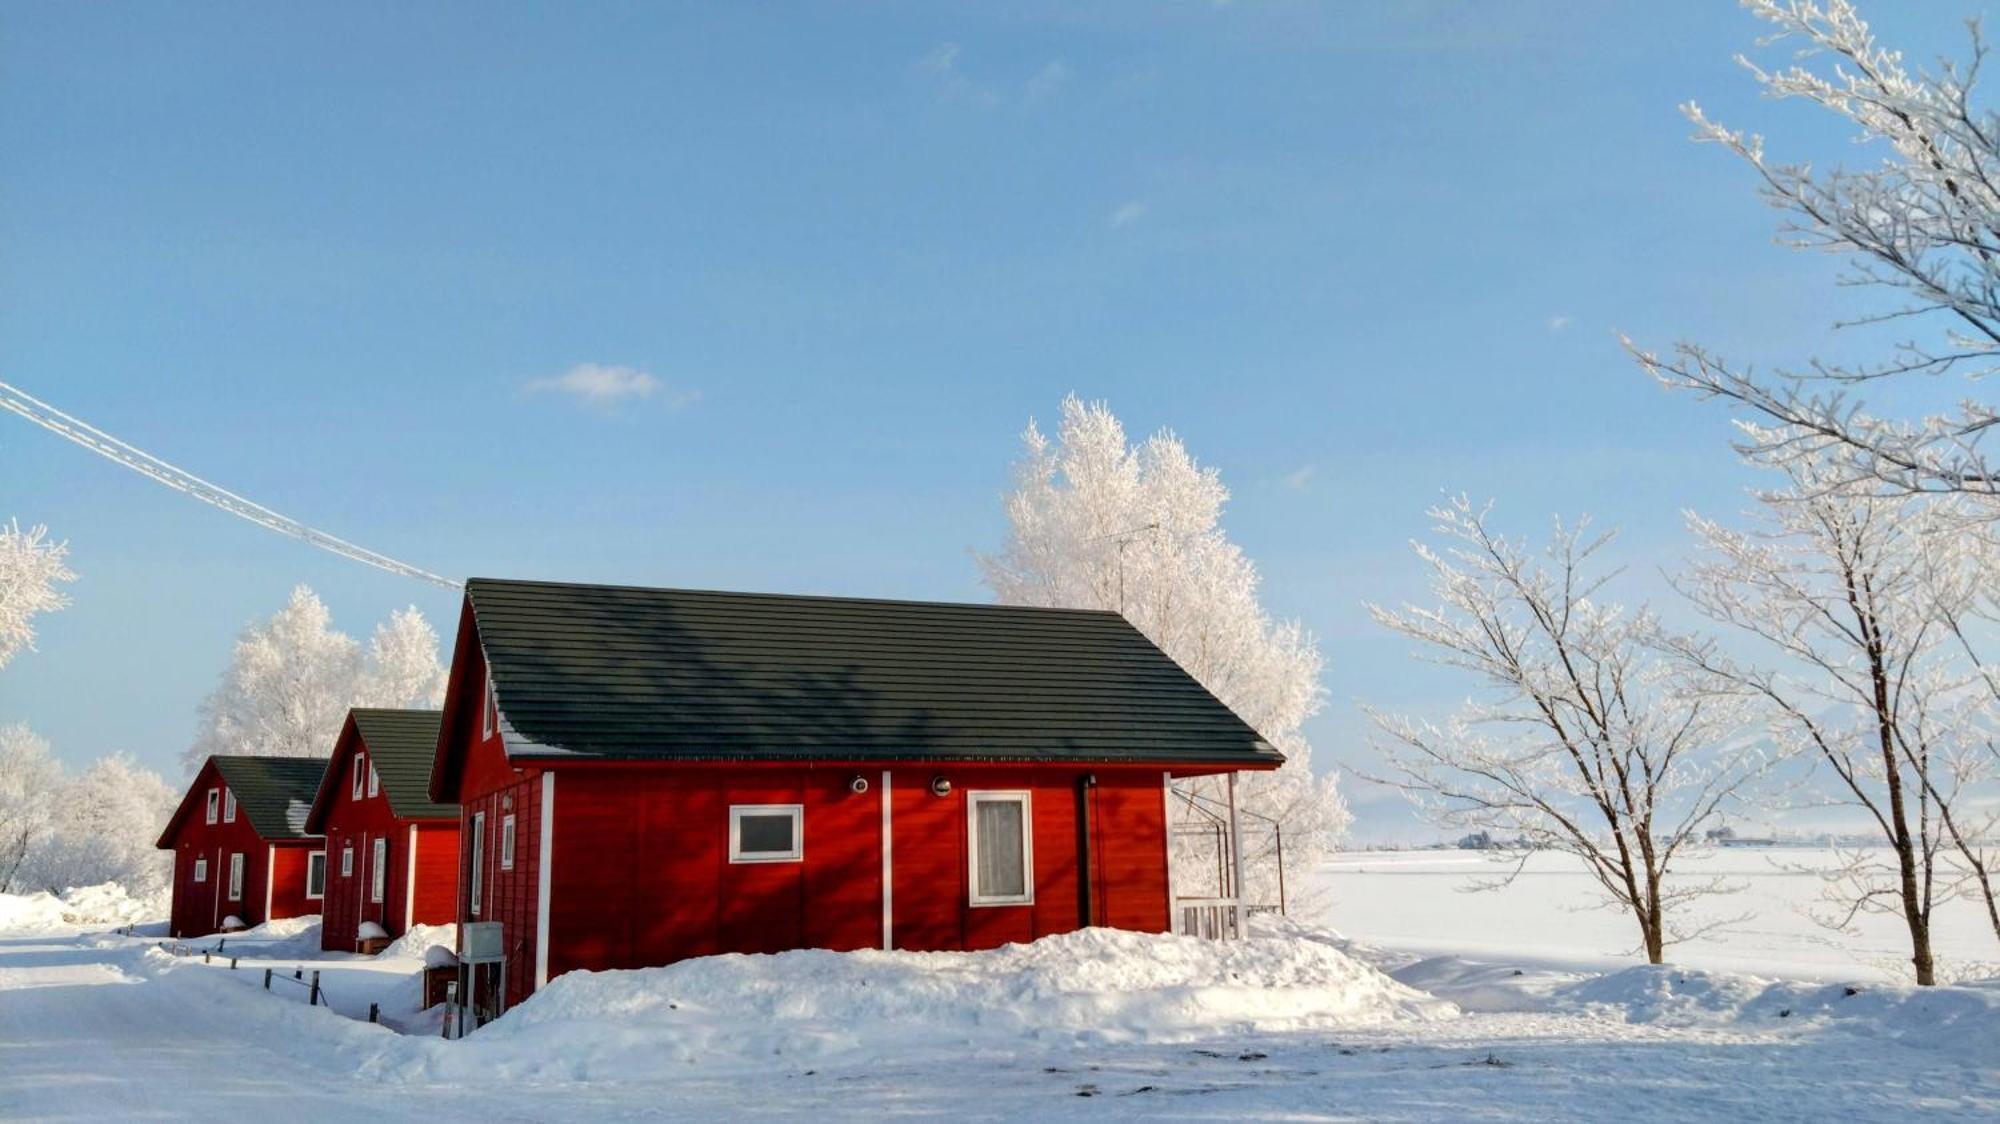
[(1422, 903), (1296, 1024)]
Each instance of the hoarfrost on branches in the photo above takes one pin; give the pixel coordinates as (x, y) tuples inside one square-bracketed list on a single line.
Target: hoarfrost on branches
[(292, 678), (1096, 523), (1923, 224), (1864, 617), (29, 777), (30, 568), (1585, 741)]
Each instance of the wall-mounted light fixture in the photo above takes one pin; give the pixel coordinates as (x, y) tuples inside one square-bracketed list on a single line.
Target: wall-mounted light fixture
[(858, 785), (940, 787)]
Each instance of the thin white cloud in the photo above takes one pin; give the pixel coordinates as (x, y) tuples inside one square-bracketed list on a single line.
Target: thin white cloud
[(1128, 212), (1297, 480), (941, 59), (597, 384), (942, 67), (1048, 81), (1560, 321)]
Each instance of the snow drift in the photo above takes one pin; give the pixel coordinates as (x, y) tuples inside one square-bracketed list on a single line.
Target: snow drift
[(79, 907), (813, 1007), (1939, 1019)]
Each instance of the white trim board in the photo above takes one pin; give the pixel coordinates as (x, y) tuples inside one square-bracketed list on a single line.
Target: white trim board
[(410, 883), (544, 866), (888, 871)]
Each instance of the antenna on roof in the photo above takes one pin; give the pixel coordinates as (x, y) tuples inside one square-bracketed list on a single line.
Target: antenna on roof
[(1125, 538), (104, 445)]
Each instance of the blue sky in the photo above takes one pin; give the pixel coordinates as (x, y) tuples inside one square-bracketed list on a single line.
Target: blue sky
[(1356, 255)]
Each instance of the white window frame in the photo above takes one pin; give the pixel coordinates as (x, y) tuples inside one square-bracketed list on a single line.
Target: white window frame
[(507, 842), (374, 780), (487, 704), (201, 868), (355, 788), (478, 846), (378, 871), (347, 859), (798, 814), (236, 877), (214, 802), (1026, 799), (320, 857), (228, 805)]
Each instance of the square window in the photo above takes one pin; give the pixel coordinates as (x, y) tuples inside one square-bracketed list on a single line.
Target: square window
[(507, 842), (201, 870), (1002, 853), (214, 801), (316, 874), (228, 806), (766, 833)]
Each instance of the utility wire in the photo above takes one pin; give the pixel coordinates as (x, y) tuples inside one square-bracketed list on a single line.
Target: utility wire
[(104, 445)]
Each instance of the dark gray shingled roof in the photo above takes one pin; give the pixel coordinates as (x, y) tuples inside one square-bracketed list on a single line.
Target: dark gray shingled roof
[(275, 792), (402, 744), (667, 674)]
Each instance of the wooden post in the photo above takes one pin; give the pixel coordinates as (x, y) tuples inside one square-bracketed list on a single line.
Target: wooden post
[(232, 963), (267, 979), (313, 1000), (204, 956), (1236, 858), (374, 1012)]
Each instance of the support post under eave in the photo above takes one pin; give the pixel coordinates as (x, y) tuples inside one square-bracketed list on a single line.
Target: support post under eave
[(1236, 861)]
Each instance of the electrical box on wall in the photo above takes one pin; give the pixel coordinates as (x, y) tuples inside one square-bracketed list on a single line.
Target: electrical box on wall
[(482, 942)]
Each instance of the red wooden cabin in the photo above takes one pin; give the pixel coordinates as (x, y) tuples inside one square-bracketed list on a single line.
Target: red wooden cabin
[(392, 853), (240, 846), (647, 775)]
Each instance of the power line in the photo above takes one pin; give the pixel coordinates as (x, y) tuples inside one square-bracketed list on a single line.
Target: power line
[(146, 464)]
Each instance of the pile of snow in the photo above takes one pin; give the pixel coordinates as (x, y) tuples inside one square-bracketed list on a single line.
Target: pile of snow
[(418, 940), (813, 1007), (1940, 1019), (80, 907), (287, 938)]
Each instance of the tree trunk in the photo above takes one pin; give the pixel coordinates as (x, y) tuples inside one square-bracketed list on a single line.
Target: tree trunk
[(1914, 913)]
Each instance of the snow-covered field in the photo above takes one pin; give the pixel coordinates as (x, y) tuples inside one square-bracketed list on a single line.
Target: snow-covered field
[(1299, 1023), (1423, 903)]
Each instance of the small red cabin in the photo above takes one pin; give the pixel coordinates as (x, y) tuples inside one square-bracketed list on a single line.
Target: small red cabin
[(392, 853), (242, 855), (647, 775)]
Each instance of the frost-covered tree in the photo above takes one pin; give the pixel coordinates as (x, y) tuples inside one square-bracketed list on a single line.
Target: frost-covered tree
[(29, 778), (1096, 523), (1583, 740), (1853, 642), (1923, 224), (103, 826), (292, 678), (30, 568), (403, 665)]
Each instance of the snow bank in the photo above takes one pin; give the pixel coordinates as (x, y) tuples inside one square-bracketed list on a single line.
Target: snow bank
[(418, 940), (1964, 1019), (813, 1007), (80, 907)]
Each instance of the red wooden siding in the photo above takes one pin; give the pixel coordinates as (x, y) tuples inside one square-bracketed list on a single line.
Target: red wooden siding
[(200, 907), (359, 823), (507, 896), (641, 873)]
